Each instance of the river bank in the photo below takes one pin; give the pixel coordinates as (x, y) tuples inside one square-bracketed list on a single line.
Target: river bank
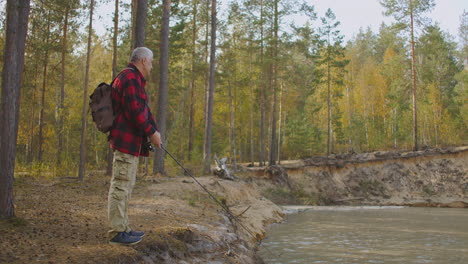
[(430, 178), (65, 221)]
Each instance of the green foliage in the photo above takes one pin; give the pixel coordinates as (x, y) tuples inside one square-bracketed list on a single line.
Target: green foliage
[(369, 79), (401, 10)]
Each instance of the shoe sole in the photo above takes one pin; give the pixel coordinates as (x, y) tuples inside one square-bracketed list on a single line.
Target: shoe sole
[(124, 244), (140, 236)]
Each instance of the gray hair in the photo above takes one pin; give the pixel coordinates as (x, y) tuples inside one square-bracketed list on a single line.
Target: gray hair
[(139, 53)]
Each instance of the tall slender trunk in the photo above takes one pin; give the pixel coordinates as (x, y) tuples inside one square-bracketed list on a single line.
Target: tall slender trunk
[(206, 53), (133, 24), (209, 107), (192, 83), (234, 112), (413, 75), (273, 142), (115, 34), (252, 159), (33, 115), (62, 89), (163, 86), (395, 127), (110, 153), (279, 121), (140, 23), (232, 126), (13, 61), (262, 92), (81, 171), (329, 104), (44, 85), (348, 107)]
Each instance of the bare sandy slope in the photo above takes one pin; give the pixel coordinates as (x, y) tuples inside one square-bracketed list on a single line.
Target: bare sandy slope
[(435, 177)]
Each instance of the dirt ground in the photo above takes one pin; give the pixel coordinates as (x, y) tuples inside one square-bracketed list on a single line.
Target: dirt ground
[(65, 221)]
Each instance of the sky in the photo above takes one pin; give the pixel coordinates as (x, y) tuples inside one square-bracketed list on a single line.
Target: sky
[(353, 15)]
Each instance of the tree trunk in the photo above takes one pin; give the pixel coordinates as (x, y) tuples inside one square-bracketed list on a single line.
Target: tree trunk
[(279, 122), (329, 126), (232, 126), (30, 158), (206, 53), (233, 110), (192, 83), (140, 24), (273, 141), (110, 153), (133, 24), (13, 60), (210, 99), (114, 39), (44, 85), (81, 171), (413, 75), (252, 159), (62, 89), (163, 86), (262, 94)]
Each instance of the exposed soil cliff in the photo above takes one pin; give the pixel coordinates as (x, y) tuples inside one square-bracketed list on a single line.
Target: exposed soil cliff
[(425, 178)]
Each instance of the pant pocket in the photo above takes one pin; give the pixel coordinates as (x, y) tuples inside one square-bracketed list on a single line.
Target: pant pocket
[(122, 166)]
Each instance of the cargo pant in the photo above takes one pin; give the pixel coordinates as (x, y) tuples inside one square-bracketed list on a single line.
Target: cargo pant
[(124, 171)]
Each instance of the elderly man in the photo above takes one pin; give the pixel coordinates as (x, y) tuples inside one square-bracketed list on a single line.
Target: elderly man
[(133, 126)]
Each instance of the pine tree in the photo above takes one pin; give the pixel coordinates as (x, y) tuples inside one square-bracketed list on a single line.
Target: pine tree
[(82, 168), (13, 64), (408, 13), (331, 59), (163, 86)]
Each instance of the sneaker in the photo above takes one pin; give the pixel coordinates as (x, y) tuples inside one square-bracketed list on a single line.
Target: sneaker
[(136, 233), (123, 238)]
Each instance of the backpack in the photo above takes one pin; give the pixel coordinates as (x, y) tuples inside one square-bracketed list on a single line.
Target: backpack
[(101, 108)]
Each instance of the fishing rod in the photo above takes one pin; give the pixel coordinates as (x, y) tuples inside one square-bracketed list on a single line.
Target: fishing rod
[(226, 209), (212, 197)]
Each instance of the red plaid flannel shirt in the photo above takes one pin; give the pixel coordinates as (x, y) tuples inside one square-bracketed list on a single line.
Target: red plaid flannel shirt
[(134, 122)]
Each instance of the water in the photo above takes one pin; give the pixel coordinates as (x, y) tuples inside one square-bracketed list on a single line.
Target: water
[(370, 235)]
